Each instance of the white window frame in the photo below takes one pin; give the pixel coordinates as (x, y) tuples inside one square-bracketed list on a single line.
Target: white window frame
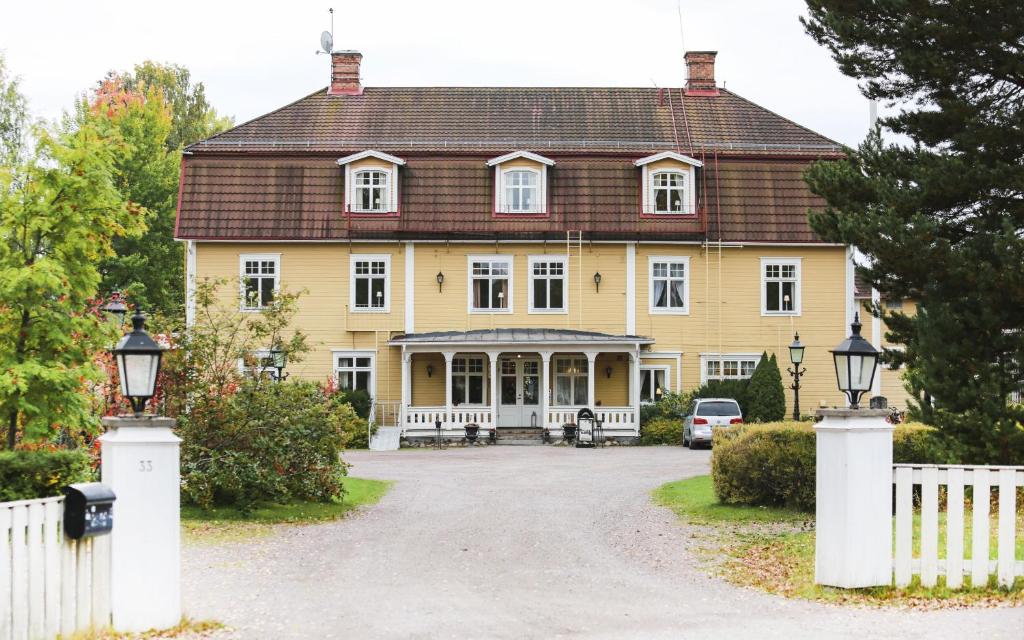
[(687, 274), (364, 353), (247, 257), (574, 379), (259, 355), (721, 357), (369, 257), (391, 200), (564, 261), (686, 189), (384, 187), (469, 281), (689, 191), (502, 206), (467, 374), (798, 289), (664, 368)]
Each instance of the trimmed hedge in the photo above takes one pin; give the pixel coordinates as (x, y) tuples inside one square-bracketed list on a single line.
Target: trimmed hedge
[(773, 464), (26, 475), (662, 431)]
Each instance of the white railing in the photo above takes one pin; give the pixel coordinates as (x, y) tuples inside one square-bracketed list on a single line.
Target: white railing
[(386, 414), (614, 418), (426, 417), (954, 566), (49, 586)]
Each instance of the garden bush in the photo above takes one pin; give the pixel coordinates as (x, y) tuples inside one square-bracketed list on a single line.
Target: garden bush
[(359, 399), (662, 431), (773, 465), (269, 442), (735, 389), (25, 475), (672, 406), (766, 399), (356, 429)]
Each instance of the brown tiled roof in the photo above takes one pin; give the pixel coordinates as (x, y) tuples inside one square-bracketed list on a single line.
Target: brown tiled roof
[(539, 119), (273, 197)]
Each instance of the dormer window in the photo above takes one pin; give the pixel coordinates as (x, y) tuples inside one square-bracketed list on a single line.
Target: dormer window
[(520, 183), (669, 184), (669, 191), (371, 183)]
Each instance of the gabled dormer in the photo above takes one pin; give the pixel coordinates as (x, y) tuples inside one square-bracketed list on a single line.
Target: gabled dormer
[(371, 183), (520, 183), (669, 184)]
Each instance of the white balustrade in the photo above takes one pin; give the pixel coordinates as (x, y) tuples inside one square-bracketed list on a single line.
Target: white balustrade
[(426, 418), (613, 418)]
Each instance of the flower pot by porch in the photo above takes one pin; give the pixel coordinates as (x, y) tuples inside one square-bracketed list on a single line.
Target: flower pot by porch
[(471, 432), (569, 432)]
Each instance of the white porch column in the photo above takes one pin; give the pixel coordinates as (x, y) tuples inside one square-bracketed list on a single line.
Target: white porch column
[(492, 358), (634, 388), (853, 530), (406, 387), (545, 387), (448, 355), (591, 357)]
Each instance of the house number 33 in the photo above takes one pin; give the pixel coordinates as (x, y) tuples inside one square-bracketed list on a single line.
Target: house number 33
[(145, 466)]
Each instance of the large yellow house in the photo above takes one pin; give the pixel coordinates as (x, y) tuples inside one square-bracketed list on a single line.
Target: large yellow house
[(505, 256)]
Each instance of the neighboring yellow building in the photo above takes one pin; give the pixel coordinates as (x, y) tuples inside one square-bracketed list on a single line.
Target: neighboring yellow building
[(506, 256), (889, 382)]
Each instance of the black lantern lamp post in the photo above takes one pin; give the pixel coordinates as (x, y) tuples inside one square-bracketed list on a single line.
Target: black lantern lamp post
[(796, 356), (115, 308), (138, 363), (279, 360), (855, 361)]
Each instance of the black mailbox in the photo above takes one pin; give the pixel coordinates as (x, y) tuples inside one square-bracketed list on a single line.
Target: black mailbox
[(88, 510)]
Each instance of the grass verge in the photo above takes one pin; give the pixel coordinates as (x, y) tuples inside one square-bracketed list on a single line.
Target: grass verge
[(773, 550), (225, 524)]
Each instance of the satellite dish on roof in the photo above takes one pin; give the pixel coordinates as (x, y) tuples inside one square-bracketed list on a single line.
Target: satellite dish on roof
[(327, 41)]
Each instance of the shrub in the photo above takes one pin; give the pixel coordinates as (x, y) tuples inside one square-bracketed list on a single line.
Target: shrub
[(672, 406), (765, 396), (735, 389), (662, 431), (359, 399), (355, 428), (25, 475), (269, 442), (773, 465)]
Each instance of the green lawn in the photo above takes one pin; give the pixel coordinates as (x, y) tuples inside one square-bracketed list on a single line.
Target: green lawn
[(222, 524), (772, 549)]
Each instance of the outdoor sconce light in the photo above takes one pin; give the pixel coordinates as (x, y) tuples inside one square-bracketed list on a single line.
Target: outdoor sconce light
[(796, 356), (430, 370), (138, 363), (279, 360), (440, 281), (608, 372), (855, 361), (115, 308), (597, 281)]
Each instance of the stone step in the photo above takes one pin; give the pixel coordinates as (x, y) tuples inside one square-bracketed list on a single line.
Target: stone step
[(520, 435)]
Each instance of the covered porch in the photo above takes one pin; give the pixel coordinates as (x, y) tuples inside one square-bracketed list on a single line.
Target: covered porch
[(518, 379)]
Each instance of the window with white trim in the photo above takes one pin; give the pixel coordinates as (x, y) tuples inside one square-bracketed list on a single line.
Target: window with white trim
[(467, 381), (354, 371), (571, 381), (669, 284), (370, 283), (522, 191), (490, 284), (728, 366), (257, 364), (894, 304), (371, 191), (548, 284), (668, 192), (780, 286), (653, 380), (260, 279)]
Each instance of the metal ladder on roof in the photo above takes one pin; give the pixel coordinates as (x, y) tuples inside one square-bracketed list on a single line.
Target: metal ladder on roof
[(574, 239)]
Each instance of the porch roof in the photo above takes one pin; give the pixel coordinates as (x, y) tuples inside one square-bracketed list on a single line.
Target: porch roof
[(516, 336)]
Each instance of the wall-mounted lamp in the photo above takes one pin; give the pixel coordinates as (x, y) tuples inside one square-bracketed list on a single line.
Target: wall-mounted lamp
[(597, 281), (608, 372), (440, 281), (430, 370)]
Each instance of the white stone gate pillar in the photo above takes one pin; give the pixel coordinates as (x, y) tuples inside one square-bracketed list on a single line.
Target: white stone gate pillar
[(140, 462), (853, 531)]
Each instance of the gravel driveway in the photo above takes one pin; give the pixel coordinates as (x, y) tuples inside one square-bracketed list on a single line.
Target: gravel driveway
[(519, 542)]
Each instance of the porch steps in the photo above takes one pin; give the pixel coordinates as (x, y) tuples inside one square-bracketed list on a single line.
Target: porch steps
[(520, 436)]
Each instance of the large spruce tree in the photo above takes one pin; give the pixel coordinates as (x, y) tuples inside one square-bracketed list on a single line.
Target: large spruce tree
[(939, 216)]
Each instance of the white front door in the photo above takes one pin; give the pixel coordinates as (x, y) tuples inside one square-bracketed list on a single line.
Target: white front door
[(519, 389)]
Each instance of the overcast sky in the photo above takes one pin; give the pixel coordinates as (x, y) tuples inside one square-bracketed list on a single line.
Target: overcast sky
[(256, 56)]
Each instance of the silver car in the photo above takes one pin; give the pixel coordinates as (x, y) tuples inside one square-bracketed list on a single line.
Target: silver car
[(705, 415)]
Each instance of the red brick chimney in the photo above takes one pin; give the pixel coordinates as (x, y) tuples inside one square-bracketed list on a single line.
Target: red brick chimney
[(700, 73), (345, 74)]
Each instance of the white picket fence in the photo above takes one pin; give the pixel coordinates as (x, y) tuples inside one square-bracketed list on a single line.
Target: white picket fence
[(954, 566), (49, 585)]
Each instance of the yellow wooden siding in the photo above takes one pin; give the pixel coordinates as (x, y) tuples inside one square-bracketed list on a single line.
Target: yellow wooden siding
[(428, 391), (892, 380), (611, 391)]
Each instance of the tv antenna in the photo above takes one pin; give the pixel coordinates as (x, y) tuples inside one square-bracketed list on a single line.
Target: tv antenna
[(327, 37)]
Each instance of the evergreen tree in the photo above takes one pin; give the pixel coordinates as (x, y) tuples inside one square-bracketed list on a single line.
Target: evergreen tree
[(941, 220), (766, 399)]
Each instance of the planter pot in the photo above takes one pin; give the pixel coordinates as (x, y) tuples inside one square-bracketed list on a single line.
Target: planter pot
[(471, 432), (569, 432)]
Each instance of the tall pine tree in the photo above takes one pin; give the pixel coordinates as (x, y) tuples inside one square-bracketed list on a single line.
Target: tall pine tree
[(941, 219)]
